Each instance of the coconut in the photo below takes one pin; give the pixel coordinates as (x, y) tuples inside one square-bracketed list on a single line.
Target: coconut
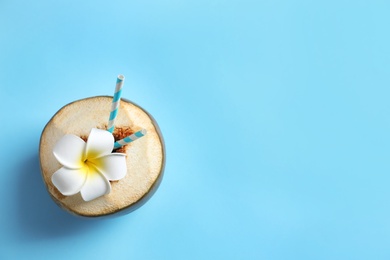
[(145, 157)]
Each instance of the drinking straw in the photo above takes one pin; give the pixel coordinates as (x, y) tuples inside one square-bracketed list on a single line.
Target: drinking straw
[(129, 139), (115, 103)]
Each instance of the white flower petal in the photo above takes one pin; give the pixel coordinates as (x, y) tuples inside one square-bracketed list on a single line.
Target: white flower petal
[(69, 181), (69, 151), (100, 143), (95, 186), (112, 166)]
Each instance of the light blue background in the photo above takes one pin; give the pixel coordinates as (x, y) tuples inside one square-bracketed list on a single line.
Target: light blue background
[(275, 113)]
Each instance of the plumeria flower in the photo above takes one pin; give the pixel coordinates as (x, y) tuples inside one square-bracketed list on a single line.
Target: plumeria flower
[(88, 166)]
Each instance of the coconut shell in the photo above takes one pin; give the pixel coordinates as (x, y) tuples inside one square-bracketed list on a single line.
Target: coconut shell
[(145, 157)]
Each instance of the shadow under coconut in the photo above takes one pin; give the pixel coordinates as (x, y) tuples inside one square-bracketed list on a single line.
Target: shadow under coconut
[(39, 216)]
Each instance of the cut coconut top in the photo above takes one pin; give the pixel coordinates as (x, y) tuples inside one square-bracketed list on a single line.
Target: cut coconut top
[(144, 157)]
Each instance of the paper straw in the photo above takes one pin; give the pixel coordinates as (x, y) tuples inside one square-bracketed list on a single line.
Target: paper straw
[(129, 139), (115, 103)]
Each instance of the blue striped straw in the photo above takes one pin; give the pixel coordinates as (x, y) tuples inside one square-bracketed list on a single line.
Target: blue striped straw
[(115, 103), (129, 139)]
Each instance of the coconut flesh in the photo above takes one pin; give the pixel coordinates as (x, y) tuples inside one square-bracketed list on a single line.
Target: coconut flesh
[(145, 157)]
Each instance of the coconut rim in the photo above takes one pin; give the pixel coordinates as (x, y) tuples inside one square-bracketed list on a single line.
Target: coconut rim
[(142, 200)]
